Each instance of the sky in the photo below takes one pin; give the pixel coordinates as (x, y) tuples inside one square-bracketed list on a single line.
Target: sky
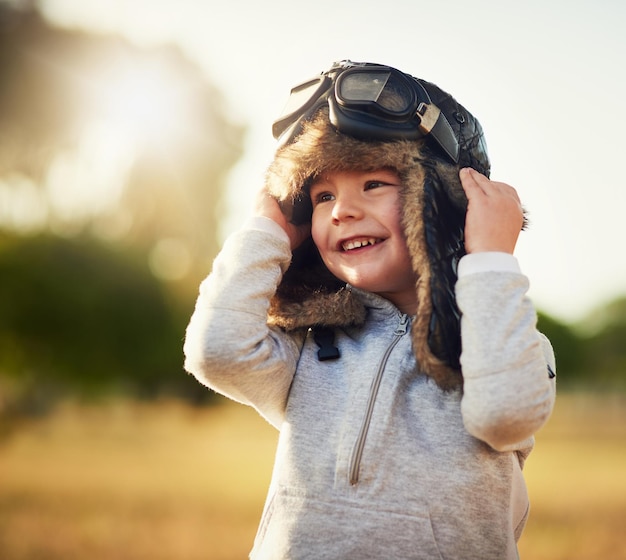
[(546, 80)]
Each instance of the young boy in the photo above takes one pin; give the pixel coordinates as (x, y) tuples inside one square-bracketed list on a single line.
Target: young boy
[(373, 312)]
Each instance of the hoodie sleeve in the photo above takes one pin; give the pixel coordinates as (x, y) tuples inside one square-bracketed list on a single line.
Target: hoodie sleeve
[(228, 345), (509, 385)]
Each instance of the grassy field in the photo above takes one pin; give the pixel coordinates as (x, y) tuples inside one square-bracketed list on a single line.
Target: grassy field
[(138, 482)]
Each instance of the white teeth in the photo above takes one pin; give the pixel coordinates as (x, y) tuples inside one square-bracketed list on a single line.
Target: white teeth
[(358, 243)]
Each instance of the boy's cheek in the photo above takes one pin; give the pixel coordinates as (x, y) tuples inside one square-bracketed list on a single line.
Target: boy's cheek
[(317, 232)]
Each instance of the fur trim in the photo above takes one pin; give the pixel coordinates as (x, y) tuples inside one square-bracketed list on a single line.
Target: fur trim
[(434, 206)]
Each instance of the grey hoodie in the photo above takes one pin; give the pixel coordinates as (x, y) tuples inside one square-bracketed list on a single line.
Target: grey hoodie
[(374, 460)]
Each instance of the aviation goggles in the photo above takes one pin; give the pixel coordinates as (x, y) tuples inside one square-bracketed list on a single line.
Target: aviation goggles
[(370, 102)]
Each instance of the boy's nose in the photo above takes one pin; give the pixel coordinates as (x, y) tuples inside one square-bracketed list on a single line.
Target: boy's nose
[(346, 208)]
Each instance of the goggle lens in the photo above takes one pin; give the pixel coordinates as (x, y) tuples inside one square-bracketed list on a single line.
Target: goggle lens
[(379, 91), (360, 87)]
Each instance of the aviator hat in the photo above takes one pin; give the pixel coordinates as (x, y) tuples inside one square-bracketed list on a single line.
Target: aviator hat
[(426, 136)]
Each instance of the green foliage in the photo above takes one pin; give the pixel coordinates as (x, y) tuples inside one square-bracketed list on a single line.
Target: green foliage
[(568, 349), (77, 317), (592, 354), (606, 345)]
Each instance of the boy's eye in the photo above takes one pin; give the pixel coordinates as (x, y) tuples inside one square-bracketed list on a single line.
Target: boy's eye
[(322, 197), (374, 184)]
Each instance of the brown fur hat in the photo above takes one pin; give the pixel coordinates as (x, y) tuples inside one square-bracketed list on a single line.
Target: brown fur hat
[(433, 218)]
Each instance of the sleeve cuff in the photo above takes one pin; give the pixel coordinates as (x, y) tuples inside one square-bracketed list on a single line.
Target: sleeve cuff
[(487, 262), (261, 223)]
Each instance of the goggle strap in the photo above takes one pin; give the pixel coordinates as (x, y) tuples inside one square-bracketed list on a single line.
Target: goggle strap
[(428, 115), (435, 124)]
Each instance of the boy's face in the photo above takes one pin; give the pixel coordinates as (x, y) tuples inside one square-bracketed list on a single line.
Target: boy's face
[(356, 228)]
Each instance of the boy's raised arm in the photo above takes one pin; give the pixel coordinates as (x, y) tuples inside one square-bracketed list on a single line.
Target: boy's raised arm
[(228, 345), (508, 389)]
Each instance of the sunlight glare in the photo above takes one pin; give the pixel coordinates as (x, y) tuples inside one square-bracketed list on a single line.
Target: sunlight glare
[(132, 107), (90, 179), (22, 207), (144, 102), (170, 259)]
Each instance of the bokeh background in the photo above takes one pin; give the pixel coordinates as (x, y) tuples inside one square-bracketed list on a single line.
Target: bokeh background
[(133, 136)]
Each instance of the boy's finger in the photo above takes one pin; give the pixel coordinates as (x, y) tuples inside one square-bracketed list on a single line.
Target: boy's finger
[(469, 181)]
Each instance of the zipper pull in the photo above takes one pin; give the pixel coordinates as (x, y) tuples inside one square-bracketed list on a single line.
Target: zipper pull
[(403, 325)]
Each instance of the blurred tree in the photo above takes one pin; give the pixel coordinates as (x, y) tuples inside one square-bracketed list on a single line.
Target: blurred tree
[(606, 344), (592, 353), (133, 144), (113, 162), (77, 317), (569, 350)]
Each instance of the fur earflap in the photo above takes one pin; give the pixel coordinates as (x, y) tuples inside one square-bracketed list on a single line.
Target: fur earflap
[(433, 209)]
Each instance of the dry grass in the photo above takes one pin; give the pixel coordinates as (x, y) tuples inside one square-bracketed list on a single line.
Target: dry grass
[(169, 482), (134, 482), (577, 483)]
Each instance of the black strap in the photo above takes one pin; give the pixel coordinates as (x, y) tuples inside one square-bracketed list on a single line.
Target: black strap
[(325, 339)]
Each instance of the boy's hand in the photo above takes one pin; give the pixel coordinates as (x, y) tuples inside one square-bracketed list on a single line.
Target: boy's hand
[(494, 214), (267, 206)]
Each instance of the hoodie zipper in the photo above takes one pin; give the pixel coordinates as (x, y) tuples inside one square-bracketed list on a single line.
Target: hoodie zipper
[(357, 452)]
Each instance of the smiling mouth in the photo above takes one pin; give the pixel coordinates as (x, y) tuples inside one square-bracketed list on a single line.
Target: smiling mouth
[(353, 244)]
